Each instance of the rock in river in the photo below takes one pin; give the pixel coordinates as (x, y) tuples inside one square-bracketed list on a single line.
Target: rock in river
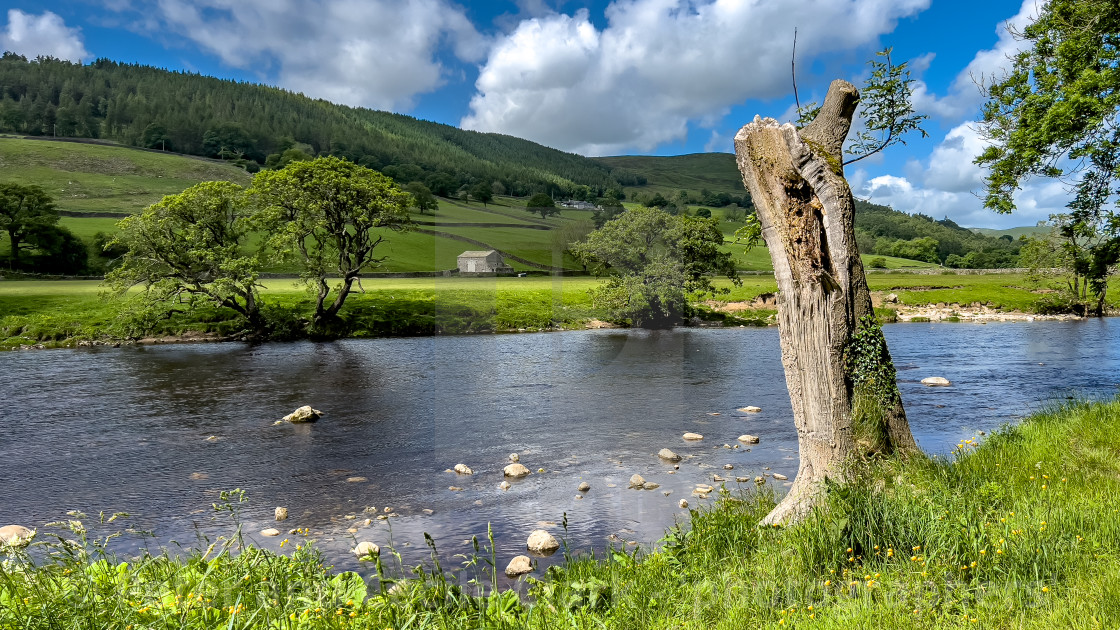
[(692, 436), (520, 565), (584, 486), (668, 455), (270, 531), (542, 542), (505, 485), (637, 481), (463, 469), (780, 476), (514, 457), (281, 513), (303, 414), (936, 381), (15, 535), (365, 550), (748, 439), (516, 471), (750, 409)]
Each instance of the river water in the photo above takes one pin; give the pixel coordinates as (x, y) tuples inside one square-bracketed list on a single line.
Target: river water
[(158, 431)]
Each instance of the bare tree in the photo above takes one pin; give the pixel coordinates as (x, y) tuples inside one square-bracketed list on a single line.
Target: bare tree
[(838, 370)]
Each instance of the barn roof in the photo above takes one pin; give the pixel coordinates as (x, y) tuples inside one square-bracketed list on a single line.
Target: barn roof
[(477, 254)]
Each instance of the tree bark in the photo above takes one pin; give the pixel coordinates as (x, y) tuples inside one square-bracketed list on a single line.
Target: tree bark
[(832, 348)]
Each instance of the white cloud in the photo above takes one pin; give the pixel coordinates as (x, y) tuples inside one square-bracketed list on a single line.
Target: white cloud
[(43, 35), (964, 94), (949, 185), (658, 65), (375, 53)]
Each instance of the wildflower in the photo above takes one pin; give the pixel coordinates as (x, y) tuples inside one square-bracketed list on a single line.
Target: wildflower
[(1045, 589), (828, 582)]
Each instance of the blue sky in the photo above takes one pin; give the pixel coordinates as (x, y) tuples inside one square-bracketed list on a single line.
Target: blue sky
[(661, 77)]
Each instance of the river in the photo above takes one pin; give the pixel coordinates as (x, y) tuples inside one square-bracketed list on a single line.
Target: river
[(158, 431)]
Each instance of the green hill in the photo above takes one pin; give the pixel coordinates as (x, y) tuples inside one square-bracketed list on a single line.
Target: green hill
[(248, 123), (93, 179), (668, 175), (1014, 233)]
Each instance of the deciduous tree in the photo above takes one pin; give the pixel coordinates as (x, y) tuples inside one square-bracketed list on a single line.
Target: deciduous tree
[(24, 210), (192, 246), (332, 215), (654, 260), (542, 203), (1054, 115)]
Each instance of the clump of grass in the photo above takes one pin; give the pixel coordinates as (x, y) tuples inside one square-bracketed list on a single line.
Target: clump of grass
[(1018, 530)]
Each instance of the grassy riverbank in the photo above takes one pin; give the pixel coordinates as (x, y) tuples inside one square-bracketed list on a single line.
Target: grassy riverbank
[(1015, 530), (60, 313)]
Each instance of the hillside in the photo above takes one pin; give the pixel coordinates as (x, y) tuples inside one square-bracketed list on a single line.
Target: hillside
[(880, 230), (102, 180), (668, 175), (247, 123)]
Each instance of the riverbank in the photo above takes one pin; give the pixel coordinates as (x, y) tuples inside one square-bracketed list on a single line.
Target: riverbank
[(1015, 529), (37, 313)]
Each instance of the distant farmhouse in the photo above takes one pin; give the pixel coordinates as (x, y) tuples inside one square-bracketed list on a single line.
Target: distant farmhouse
[(578, 205), (489, 262)]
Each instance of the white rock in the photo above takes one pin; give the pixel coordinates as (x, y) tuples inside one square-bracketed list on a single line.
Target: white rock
[(505, 485), (683, 503), (303, 414), (542, 542), (270, 531), (728, 467), (281, 513), (936, 381), (742, 479), (15, 535), (356, 479), (668, 455), (365, 549), (750, 409), (692, 436), (748, 439), (637, 481), (584, 486), (649, 485), (514, 457), (520, 565), (463, 469), (515, 471), (454, 488), (780, 476)]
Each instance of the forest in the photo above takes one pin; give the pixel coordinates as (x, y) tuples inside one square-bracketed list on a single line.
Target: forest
[(247, 123)]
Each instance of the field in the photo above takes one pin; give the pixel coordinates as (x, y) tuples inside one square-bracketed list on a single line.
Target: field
[(1013, 530), (59, 313), (91, 178), (669, 175)]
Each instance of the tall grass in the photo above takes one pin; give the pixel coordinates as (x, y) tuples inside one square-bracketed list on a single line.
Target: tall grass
[(1016, 530)]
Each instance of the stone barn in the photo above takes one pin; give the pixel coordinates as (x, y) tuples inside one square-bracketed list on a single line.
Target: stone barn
[(489, 262)]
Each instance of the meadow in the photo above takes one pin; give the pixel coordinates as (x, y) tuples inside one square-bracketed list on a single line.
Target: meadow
[(66, 312), (1017, 529)]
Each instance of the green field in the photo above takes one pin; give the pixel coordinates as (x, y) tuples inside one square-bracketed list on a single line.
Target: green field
[(105, 179), (64, 312), (670, 174)]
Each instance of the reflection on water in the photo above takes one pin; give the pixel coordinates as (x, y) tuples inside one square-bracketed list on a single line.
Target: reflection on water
[(159, 431)]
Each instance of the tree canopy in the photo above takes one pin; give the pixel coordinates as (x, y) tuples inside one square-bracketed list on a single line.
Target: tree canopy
[(655, 260), (331, 214), (192, 246), (1054, 115), (542, 203), (24, 210)]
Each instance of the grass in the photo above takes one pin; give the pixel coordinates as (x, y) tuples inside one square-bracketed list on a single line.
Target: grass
[(105, 179), (669, 175), (1015, 530), (62, 313)]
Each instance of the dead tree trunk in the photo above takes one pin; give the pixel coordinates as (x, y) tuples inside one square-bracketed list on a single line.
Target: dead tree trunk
[(839, 373)]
